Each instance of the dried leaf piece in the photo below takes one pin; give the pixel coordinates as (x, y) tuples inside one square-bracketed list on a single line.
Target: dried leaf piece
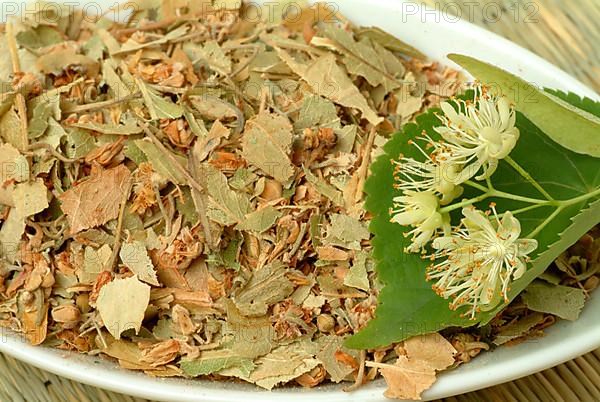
[(346, 231), (132, 45), (30, 197), (10, 129), (317, 111), (211, 141), (363, 57), (39, 121), (211, 54), (324, 188), (330, 80), (213, 361), (407, 379), (158, 106), (94, 262), (40, 36), (518, 328), (122, 304), (357, 276), (248, 337), (330, 346), (56, 61), (11, 233), (267, 143), (281, 365), (415, 372), (389, 41), (34, 320), (13, 166), (563, 301), (135, 256), (160, 162), (431, 348), (97, 200), (128, 353), (260, 220), (227, 206), (117, 86), (79, 143), (267, 286)]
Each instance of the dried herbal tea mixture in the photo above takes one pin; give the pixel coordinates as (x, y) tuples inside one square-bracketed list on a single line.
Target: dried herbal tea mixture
[(183, 192)]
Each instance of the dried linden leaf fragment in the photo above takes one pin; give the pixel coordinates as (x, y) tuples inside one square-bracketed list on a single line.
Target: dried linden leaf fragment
[(122, 304), (281, 365), (248, 337), (330, 80), (213, 361), (415, 372), (135, 257), (267, 144), (227, 206), (30, 197), (260, 220), (563, 301), (267, 286), (13, 166), (159, 162), (11, 233), (97, 200)]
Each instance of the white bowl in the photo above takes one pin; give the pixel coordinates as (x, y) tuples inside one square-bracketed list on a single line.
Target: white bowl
[(436, 34)]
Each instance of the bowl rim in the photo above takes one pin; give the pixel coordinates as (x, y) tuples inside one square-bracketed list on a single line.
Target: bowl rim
[(564, 341)]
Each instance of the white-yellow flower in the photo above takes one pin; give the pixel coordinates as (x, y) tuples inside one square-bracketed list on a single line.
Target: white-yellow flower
[(437, 173), (479, 133), (420, 211), (479, 260)]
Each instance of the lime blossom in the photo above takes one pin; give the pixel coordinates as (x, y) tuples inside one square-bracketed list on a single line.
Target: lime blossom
[(476, 263), (478, 133), (419, 210)]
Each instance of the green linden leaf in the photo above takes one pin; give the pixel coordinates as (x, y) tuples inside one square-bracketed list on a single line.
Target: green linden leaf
[(569, 126), (407, 304)]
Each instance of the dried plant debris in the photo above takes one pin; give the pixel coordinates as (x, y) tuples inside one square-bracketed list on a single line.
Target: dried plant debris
[(183, 192), (415, 368)]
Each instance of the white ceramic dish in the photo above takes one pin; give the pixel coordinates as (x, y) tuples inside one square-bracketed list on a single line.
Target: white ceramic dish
[(436, 35)]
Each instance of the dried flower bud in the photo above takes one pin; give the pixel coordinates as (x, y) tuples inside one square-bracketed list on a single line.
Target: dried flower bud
[(181, 318), (27, 82), (178, 133), (107, 154), (272, 191), (325, 323), (67, 314)]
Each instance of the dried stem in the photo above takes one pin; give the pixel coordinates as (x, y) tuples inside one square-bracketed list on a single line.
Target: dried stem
[(54, 152), (19, 99), (364, 165), (361, 373), (117, 244)]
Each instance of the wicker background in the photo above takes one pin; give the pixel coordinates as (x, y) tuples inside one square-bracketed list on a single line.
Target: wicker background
[(566, 32)]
